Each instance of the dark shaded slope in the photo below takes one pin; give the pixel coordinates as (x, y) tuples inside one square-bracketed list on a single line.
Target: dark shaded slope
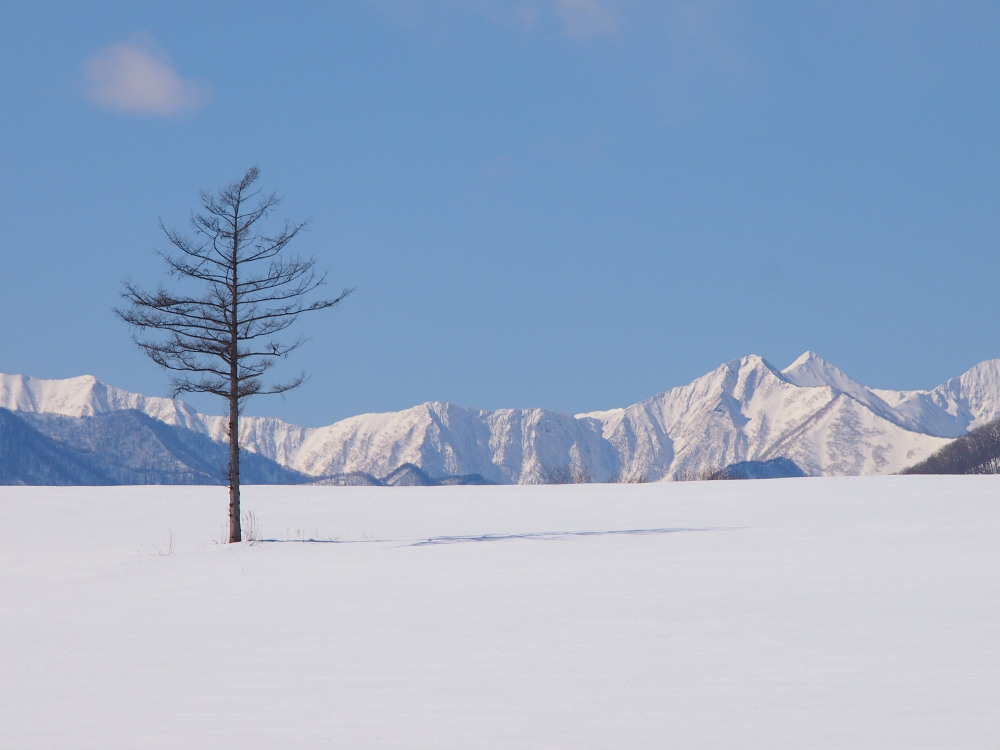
[(129, 447), (977, 452), (775, 468), (29, 457)]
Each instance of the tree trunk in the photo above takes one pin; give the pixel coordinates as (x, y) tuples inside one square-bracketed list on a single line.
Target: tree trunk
[(235, 532)]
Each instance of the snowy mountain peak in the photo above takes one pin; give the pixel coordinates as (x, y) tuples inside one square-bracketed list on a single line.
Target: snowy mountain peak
[(72, 397), (810, 369), (751, 362), (954, 407), (736, 374), (982, 374), (806, 357), (737, 379)]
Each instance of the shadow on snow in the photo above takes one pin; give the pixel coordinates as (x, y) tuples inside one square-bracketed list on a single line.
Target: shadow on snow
[(549, 536)]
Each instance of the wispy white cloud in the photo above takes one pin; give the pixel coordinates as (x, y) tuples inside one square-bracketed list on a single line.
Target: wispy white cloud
[(583, 19), (137, 76)]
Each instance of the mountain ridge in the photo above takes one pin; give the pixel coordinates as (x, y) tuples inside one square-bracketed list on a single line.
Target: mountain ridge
[(810, 412)]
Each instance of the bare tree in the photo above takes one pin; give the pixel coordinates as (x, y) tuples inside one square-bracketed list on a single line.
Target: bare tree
[(221, 338)]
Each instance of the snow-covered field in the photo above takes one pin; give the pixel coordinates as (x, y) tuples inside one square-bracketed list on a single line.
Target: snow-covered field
[(843, 613)]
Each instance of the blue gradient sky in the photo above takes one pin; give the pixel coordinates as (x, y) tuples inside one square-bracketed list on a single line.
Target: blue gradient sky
[(564, 203)]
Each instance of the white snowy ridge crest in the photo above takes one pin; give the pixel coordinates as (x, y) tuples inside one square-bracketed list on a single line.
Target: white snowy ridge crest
[(745, 410)]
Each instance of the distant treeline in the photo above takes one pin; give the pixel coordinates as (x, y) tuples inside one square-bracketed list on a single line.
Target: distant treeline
[(978, 452)]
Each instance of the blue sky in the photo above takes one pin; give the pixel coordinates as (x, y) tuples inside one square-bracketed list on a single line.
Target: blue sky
[(573, 204)]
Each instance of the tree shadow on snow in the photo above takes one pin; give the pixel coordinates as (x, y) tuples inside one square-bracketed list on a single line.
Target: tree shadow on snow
[(551, 536), (548, 536)]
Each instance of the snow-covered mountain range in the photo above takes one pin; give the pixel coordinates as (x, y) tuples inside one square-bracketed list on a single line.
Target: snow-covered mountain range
[(745, 410)]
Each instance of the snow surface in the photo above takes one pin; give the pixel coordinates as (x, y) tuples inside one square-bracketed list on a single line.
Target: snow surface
[(856, 613)]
